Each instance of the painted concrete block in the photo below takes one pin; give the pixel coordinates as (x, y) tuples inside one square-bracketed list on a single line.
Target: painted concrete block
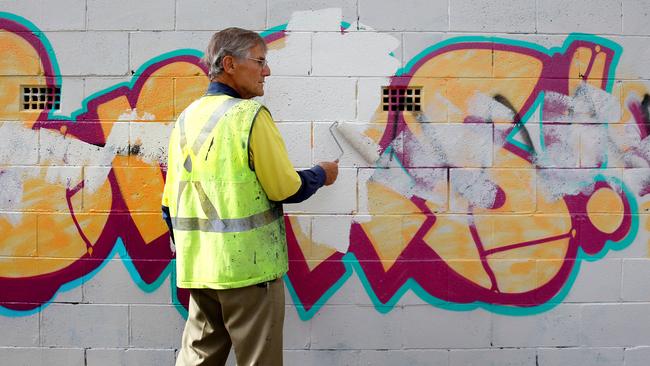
[(614, 325), (24, 331), (20, 144), (332, 231), (618, 145), (297, 140), (296, 331), (95, 85), (150, 140), (405, 16), (597, 282), (634, 286), (339, 198), (489, 16), (636, 356), (553, 184), (493, 357), (105, 356), (113, 284), (149, 357), (479, 189), (446, 329), (357, 48), (191, 14), (72, 295), (556, 327), (636, 51), (583, 16), (42, 356), (282, 11), (561, 148), (406, 357), (636, 13), (308, 99), (580, 356), (56, 16), (124, 15), (155, 326), (72, 95), (85, 325), (91, 53), (20, 234), (56, 148), (144, 46), (293, 56), (354, 327), (369, 99), (53, 177), (321, 358), (440, 145), (389, 191)]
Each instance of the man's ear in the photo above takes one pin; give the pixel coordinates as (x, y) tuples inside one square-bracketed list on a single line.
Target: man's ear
[(228, 63)]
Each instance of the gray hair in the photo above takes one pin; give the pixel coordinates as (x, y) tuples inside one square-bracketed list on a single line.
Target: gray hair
[(234, 42)]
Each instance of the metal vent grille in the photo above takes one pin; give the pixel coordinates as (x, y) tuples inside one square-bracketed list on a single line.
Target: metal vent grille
[(401, 98), (40, 97)]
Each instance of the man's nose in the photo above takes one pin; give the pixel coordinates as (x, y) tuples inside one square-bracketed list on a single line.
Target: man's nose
[(266, 70)]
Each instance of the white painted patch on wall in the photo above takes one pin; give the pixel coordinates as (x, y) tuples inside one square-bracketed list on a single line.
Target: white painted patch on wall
[(133, 115), (475, 186), (588, 105), (483, 106), (348, 53), (332, 231), (326, 19)]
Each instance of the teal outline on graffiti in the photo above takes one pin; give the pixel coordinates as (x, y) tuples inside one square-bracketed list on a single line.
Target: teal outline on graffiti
[(351, 263), (349, 260)]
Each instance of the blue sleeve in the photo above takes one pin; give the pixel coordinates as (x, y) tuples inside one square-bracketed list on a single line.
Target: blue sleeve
[(312, 179), (168, 221)]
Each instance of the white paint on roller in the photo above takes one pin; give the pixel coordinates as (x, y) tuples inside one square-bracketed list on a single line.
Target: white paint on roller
[(363, 145)]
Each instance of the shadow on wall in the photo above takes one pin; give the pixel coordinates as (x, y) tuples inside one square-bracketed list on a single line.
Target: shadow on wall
[(482, 194)]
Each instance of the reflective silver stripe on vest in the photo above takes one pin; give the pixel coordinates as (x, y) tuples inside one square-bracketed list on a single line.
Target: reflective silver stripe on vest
[(227, 225), (207, 128), (212, 122)]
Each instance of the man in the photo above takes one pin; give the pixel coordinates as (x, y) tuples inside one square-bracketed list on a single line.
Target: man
[(228, 175)]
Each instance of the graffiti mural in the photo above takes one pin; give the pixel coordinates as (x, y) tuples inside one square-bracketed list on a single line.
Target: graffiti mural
[(488, 194)]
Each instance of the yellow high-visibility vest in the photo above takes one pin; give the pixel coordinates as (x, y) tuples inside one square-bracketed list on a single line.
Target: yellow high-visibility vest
[(227, 232)]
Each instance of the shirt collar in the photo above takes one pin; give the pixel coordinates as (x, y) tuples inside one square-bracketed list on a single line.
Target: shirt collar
[(216, 88)]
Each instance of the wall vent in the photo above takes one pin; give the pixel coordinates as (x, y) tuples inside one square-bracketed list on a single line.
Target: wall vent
[(400, 98), (40, 97)]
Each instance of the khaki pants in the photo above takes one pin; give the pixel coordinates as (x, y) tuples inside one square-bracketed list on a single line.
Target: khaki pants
[(249, 318)]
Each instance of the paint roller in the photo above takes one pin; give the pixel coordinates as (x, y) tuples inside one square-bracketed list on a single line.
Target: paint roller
[(367, 148)]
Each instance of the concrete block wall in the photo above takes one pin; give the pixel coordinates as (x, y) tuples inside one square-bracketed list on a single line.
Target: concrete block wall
[(503, 222)]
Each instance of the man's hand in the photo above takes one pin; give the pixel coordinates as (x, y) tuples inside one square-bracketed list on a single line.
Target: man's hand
[(331, 169)]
